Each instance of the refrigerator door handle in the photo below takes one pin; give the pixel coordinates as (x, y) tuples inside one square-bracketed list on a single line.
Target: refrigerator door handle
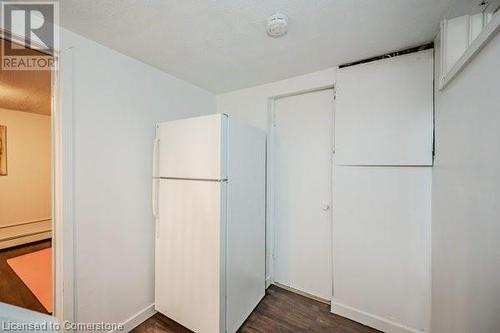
[(154, 160), (154, 196)]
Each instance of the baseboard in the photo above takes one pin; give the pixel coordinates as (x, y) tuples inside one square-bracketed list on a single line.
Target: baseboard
[(25, 240), (301, 293), (24, 233), (137, 319), (269, 282), (371, 320)]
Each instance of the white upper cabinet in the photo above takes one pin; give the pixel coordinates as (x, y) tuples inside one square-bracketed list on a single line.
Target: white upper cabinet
[(384, 112)]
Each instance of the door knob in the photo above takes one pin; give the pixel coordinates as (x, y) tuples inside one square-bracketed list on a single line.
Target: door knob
[(325, 207)]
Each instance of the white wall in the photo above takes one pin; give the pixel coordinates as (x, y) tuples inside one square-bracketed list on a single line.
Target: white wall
[(115, 102), (466, 199), (25, 193), (252, 106)]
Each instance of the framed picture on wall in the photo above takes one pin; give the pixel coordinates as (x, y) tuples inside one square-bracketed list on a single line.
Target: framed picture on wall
[(3, 150)]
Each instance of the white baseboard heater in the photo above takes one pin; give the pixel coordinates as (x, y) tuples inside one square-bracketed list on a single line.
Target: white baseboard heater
[(25, 232)]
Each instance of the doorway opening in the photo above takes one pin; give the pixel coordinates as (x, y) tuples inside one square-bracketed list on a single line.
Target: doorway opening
[(302, 160), (26, 188)]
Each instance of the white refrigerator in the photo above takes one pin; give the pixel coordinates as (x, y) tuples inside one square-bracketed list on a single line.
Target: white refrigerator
[(209, 205)]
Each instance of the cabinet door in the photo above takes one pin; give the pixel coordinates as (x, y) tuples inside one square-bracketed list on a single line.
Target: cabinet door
[(384, 112), (381, 245)]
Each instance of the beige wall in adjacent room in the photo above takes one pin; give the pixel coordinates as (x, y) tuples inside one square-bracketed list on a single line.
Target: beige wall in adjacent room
[(25, 191)]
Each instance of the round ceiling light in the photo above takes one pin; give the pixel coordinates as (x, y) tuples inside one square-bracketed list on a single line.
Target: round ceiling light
[(277, 25)]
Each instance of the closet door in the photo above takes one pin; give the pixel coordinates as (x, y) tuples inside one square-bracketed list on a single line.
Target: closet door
[(384, 112), (302, 192)]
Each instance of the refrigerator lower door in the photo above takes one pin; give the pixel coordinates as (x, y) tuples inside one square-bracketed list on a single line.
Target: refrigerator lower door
[(189, 272)]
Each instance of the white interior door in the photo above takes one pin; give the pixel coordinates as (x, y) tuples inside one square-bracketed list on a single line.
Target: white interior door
[(303, 151)]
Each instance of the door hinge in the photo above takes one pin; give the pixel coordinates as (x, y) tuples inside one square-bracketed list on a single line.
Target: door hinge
[(334, 95)]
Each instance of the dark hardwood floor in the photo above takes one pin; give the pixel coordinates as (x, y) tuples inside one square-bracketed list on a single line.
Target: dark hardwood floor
[(279, 311), (12, 289)]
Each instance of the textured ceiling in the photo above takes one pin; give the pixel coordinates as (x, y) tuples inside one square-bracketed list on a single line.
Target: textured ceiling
[(221, 45), (28, 91)]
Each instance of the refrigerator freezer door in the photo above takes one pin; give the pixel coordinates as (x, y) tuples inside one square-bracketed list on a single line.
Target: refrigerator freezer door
[(192, 148), (189, 261)]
